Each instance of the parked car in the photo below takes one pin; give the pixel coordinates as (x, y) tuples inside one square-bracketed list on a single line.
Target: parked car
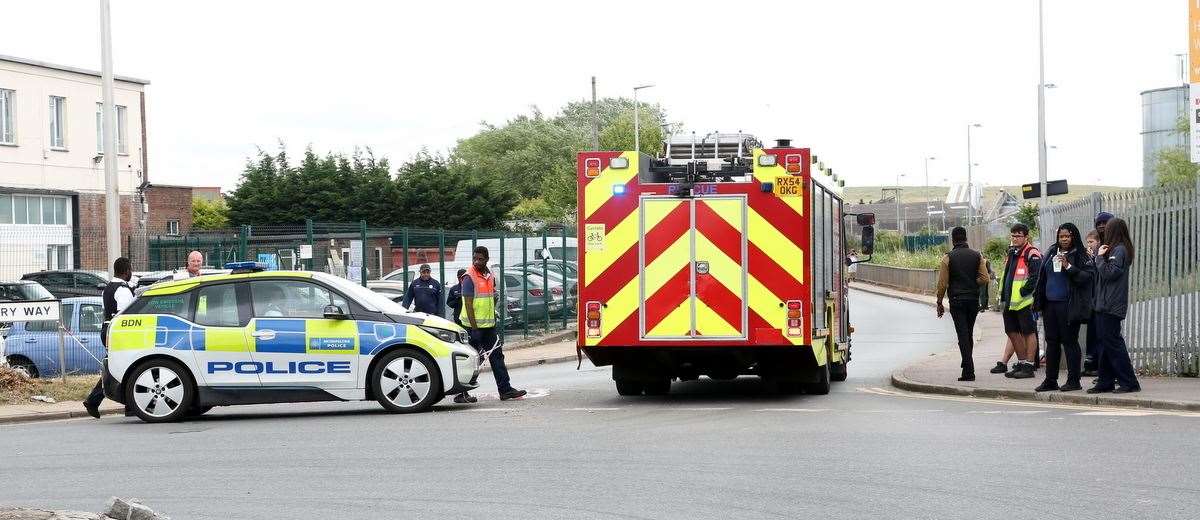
[(559, 272), (33, 347), (540, 303), (69, 283), (23, 291)]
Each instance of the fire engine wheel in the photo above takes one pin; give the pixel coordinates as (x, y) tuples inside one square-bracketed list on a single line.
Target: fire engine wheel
[(658, 387), (821, 387), (838, 371), (628, 387)]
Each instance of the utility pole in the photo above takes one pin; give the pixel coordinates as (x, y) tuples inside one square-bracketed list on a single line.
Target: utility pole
[(970, 186), (112, 197), (896, 193), (929, 201), (595, 120), (637, 144), (1041, 111)]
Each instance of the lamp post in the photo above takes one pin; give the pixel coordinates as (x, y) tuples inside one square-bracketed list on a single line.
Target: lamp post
[(928, 202), (637, 141), (899, 223), (970, 186), (112, 197), (1041, 101)]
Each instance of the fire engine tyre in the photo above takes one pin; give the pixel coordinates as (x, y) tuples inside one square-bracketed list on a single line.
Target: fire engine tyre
[(628, 387), (160, 390), (821, 387), (406, 381), (658, 387), (838, 371)]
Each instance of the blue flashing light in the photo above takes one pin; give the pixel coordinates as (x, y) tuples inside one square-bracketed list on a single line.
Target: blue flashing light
[(246, 267), (618, 189), (767, 187)]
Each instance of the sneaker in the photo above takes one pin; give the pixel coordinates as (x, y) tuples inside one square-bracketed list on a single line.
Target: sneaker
[(1099, 389), (1000, 368), (465, 398), (1023, 371), (512, 393), (1046, 386)]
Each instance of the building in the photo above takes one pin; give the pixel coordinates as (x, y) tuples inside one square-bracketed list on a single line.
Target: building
[(52, 186), (1161, 111)]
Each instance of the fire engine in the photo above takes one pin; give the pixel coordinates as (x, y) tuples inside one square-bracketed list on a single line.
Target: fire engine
[(720, 258)]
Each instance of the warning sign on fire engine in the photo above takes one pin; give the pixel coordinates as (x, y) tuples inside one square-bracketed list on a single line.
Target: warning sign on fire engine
[(594, 236), (789, 186)]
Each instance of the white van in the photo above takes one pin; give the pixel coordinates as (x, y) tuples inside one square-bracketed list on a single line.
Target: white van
[(516, 251)]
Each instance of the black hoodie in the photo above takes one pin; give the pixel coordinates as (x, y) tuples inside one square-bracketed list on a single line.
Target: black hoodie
[(1080, 277)]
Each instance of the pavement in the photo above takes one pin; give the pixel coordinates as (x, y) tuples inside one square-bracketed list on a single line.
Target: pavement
[(518, 353), (574, 449), (939, 373)]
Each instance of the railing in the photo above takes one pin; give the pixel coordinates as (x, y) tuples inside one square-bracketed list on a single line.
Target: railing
[(905, 279), (1162, 326)]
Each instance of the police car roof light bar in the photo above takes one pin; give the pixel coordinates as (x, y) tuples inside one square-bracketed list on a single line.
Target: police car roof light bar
[(246, 267)]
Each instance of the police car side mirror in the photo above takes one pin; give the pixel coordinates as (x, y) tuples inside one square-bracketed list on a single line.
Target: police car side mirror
[(866, 219), (333, 312)]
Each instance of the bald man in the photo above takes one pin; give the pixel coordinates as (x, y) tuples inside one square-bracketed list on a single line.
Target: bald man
[(194, 261)]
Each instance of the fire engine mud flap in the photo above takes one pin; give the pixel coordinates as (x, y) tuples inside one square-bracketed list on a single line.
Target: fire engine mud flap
[(648, 364)]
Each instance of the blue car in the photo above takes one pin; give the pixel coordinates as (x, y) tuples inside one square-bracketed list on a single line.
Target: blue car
[(32, 346)]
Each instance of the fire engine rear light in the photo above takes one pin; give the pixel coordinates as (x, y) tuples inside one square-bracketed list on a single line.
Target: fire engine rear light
[(792, 163), (591, 168), (593, 319), (619, 163), (794, 313), (795, 324), (793, 304), (795, 332), (767, 160)]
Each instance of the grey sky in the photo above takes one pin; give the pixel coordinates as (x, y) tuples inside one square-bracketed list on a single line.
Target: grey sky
[(871, 85)]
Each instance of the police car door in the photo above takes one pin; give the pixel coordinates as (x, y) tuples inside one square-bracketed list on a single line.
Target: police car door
[(293, 340), (223, 355)]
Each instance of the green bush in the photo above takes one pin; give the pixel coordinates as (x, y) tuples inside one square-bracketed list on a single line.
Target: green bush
[(888, 241)]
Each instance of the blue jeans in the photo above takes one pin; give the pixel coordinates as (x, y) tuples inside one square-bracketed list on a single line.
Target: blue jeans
[(1114, 364), (484, 339)]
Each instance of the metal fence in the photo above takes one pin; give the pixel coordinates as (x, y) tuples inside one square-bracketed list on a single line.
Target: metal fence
[(1162, 327), (905, 279), (538, 271)]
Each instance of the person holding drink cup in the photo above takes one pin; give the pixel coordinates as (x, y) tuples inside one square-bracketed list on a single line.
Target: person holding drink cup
[(1064, 297)]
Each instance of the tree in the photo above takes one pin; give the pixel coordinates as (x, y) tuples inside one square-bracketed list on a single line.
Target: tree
[(528, 153), (1174, 165), (1028, 214), (577, 118), (433, 194), (619, 135), (257, 196), (209, 214)]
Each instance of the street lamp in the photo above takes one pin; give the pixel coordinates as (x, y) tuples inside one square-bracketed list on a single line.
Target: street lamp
[(899, 223), (637, 142), (970, 187), (928, 202), (1041, 100)]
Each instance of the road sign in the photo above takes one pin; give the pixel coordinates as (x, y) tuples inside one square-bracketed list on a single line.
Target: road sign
[(41, 310), (1034, 190)]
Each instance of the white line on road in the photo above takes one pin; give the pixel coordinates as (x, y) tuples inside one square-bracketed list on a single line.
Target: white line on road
[(1008, 412), (1117, 413), (792, 410), (1028, 404), (591, 409), (719, 409)]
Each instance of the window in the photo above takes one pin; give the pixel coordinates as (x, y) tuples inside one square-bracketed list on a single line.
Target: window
[(68, 321), (34, 209), (8, 134), (173, 227), (90, 317), (58, 123), (173, 304), (291, 299), (59, 257), (216, 305), (122, 145)]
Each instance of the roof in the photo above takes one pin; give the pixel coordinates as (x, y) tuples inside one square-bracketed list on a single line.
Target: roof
[(68, 68), (178, 286)]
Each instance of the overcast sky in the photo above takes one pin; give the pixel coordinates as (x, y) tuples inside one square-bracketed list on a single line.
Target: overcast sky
[(872, 86)]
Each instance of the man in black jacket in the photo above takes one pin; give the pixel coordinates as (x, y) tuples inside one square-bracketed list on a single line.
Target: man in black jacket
[(1016, 297), (454, 296), (961, 273), (116, 297), (424, 293)]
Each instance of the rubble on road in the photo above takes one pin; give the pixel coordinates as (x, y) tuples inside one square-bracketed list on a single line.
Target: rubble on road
[(117, 509)]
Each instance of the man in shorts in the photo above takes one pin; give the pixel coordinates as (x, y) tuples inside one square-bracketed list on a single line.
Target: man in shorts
[(1016, 297)]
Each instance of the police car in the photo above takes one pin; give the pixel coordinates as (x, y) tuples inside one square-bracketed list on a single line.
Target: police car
[(254, 337)]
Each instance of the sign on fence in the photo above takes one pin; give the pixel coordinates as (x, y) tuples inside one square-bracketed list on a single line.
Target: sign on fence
[(42, 310)]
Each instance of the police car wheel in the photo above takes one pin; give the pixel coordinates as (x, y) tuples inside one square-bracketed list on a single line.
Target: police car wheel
[(160, 391), (406, 381)]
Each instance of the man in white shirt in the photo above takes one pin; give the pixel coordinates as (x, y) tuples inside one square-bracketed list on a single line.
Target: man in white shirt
[(116, 297), (194, 261)]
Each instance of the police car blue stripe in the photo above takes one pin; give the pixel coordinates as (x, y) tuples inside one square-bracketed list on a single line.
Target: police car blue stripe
[(173, 333), (289, 336)]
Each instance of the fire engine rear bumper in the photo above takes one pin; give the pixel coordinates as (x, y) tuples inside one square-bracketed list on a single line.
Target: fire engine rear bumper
[(690, 362)]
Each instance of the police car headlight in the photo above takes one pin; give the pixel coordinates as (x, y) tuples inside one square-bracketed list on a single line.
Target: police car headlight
[(448, 336), (464, 367)]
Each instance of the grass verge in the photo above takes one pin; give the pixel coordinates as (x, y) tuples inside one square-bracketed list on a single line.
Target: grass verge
[(15, 388)]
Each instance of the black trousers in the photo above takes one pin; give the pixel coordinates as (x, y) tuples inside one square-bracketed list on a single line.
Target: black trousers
[(964, 313), (1093, 345), (1115, 365), (1061, 335), (96, 396)]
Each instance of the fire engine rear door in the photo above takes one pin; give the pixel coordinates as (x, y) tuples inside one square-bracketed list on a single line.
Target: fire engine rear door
[(693, 274)]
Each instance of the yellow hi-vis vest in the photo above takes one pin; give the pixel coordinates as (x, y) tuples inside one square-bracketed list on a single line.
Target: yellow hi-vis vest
[(1015, 301), (483, 301)]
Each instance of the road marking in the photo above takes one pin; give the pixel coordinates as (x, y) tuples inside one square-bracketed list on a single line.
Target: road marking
[(532, 393), (1028, 404), (1008, 412), (1118, 413), (792, 410), (718, 409), (591, 409)]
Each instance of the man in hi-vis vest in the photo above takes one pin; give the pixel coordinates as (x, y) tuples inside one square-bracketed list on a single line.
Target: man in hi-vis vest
[(479, 317), (1016, 297)]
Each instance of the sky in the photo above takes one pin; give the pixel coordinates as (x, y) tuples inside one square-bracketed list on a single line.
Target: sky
[(872, 86)]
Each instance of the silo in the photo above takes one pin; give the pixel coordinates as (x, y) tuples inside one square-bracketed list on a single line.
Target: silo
[(1161, 109)]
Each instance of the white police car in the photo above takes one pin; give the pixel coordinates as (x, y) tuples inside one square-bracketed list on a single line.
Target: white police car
[(280, 336)]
